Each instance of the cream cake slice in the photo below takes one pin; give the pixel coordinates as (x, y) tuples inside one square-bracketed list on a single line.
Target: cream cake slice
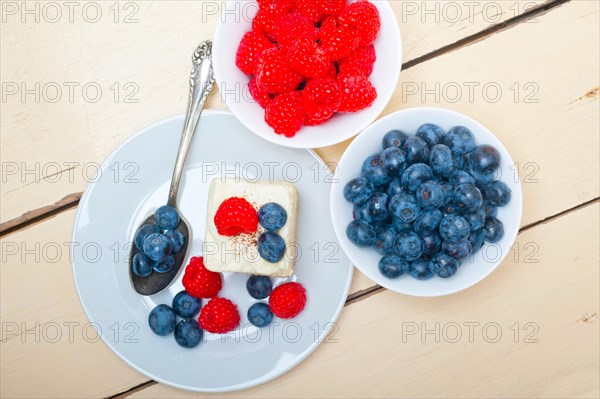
[(239, 254)]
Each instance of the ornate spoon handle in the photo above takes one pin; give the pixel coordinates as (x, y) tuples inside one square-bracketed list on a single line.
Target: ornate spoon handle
[(201, 82)]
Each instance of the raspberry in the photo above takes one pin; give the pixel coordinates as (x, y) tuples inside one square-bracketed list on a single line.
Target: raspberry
[(293, 26), (249, 50), (234, 216), (357, 92), (310, 9), (361, 61), (320, 99), (200, 282), (332, 7), (261, 97), (363, 16), (308, 58), (339, 41), (219, 316), (269, 14), (285, 114), (287, 300), (273, 74)]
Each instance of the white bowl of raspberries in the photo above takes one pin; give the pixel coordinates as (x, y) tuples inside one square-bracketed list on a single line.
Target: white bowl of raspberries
[(426, 202), (310, 73)]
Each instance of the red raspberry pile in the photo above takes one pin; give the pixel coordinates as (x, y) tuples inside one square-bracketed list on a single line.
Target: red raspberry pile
[(308, 59)]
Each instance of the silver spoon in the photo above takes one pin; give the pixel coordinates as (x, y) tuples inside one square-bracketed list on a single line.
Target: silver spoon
[(201, 82)]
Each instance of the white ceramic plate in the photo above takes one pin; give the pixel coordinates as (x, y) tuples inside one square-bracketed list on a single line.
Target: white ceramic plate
[(366, 259), (112, 208), (236, 20)]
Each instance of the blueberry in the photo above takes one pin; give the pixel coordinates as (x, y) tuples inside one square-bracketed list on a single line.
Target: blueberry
[(404, 207), (188, 333), (360, 233), (157, 246), (493, 230), (272, 216), (393, 161), (392, 266), (497, 193), (430, 195), (467, 197), (489, 209), (271, 246), (450, 209), (162, 320), (460, 250), (419, 269), (428, 221), (476, 240), (386, 234), (185, 305), (360, 212), (475, 219), (460, 160), (443, 265), (401, 226), (142, 265), (460, 177), (454, 228), (415, 175), (409, 246), (484, 159), (377, 207), (144, 232), (441, 160), (431, 134), (432, 243), (460, 140), (481, 179), (259, 287), (448, 191), (166, 217), (165, 265), (373, 170), (394, 138), (395, 187), (416, 150), (177, 240), (260, 315), (358, 190)]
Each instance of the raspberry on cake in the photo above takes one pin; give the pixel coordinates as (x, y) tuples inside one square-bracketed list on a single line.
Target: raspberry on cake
[(242, 249)]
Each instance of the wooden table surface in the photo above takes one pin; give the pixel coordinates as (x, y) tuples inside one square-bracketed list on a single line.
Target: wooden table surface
[(79, 78)]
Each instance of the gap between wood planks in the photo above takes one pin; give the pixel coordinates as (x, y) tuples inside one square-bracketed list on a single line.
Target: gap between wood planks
[(72, 200)]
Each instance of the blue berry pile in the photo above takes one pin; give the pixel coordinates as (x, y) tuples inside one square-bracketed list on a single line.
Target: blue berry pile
[(271, 246), (163, 320), (158, 243), (426, 202)]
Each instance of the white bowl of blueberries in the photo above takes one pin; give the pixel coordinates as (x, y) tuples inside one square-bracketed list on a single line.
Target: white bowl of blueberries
[(426, 202)]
